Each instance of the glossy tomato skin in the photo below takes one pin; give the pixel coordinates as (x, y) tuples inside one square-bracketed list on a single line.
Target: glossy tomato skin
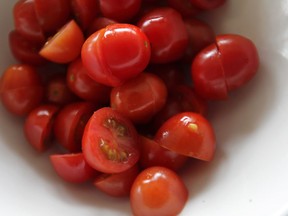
[(70, 123), (167, 34), (38, 126), (24, 50), (140, 98), (121, 10), (152, 154), (116, 53), (110, 142), (72, 167), (189, 134), (117, 184), (208, 4), (21, 89), (158, 191), (65, 45), (25, 21), (83, 86)]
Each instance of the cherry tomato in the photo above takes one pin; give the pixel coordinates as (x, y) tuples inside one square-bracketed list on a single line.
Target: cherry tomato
[(99, 23), (116, 53), (140, 98), (224, 66), (207, 4), (110, 142), (52, 14), (70, 123), (25, 21), (72, 167), (152, 154), (188, 134), (158, 191), (21, 89), (66, 44), (85, 11), (121, 10), (24, 50), (167, 34), (184, 7), (83, 86), (38, 126), (117, 184)]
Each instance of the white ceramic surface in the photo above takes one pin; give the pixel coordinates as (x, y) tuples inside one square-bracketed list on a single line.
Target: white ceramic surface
[(248, 176)]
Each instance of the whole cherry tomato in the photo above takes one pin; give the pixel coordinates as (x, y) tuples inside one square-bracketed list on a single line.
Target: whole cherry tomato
[(188, 134), (167, 34), (184, 7), (158, 191), (21, 89), (99, 23), (38, 127), (110, 142), (140, 98), (116, 53), (72, 167)]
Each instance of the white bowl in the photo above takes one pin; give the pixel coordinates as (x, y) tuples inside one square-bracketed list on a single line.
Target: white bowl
[(248, 176)]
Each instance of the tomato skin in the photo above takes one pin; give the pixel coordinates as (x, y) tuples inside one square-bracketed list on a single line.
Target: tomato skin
[(184, 7), (188, 134), (121, 10), (99, 23), (152, 154), (70, 123), (158, 191), (167, 34), (21, 89), (140, 98), (72, 167), (66, 44), (117, 184), (38, 126), (116, 53), (83, 86), (110, 142), (24, 50)]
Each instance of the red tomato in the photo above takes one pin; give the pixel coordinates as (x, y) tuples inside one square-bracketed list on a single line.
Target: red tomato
[(72, 167), (188, 134), (21, 89), (84, 87), (224, 66), (152, 154), (167, 34), (121, 10), (207, 4), (117, 184), (66, 44), (158, 191), (26, 22), (110, 142), (184, 7), (140, 98), (116, 53), (24, 50), (52, 14), (70, 123), (38, 126), (99, 23), (85, 11)]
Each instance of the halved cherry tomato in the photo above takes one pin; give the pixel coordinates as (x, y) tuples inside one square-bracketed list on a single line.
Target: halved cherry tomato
[(140, 98), (21, 89), (152, 154), (117, 184), (84, 87), (121, 10), (167, 34), (72, 167), (38, 126), (110, 142), (70, 123), (158, 191), (188, 134), (65, 45), (116, 53)]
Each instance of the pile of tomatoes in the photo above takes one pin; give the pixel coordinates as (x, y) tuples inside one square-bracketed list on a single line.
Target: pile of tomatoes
[(122, 86)]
